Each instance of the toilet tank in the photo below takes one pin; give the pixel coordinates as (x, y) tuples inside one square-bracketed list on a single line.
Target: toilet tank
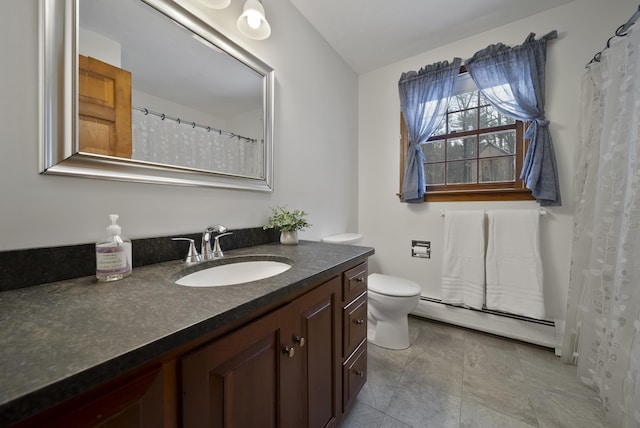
[(344, 238)]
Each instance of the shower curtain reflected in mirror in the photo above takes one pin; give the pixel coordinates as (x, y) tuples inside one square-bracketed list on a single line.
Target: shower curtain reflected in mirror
[(602, 331), (167, 142)]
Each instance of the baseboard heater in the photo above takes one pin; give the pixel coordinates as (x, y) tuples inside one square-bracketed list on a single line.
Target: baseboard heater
[(492, 312)]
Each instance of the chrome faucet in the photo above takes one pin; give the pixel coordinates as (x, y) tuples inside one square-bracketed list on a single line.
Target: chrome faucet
[(207, 252)]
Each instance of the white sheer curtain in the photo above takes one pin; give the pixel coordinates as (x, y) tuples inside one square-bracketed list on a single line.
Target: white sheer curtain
[(171, 143), (603, 316)]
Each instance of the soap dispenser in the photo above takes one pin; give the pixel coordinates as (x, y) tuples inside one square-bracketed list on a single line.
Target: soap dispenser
[(113, 254)]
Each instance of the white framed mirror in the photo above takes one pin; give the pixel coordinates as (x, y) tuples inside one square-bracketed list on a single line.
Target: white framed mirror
[(143, 90)]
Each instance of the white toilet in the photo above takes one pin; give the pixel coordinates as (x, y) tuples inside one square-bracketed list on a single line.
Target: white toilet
[(390, 299)]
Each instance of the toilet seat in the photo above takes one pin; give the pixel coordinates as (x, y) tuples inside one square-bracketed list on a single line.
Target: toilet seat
[(392, 286)]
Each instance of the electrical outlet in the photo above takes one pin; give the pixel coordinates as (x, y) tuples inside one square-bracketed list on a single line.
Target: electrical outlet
[(421, 249)]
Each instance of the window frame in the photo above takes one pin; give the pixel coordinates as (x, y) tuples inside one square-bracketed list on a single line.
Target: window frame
[(495, 191)]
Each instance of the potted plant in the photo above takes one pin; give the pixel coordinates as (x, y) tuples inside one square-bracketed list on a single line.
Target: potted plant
[(288, 223)]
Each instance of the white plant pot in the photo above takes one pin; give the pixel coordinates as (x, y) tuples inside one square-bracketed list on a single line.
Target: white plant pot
[(289, 237)]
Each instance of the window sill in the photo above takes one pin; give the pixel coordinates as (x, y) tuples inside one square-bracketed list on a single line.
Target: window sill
[(479, 195)]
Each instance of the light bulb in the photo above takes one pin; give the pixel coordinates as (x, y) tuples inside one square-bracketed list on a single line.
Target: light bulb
[(253, 19), (252, 23)]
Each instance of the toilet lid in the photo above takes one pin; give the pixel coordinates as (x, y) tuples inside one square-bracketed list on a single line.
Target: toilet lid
[(343, 238), (392, 285)]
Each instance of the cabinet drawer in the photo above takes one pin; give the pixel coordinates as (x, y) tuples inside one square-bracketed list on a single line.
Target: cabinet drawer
[(354, 375), (354, 321), (354, 282)]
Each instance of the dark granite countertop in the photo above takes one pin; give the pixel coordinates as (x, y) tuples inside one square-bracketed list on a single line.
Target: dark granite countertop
[(60, 339)]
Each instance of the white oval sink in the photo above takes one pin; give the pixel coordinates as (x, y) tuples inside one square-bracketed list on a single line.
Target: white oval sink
[(233, 273)]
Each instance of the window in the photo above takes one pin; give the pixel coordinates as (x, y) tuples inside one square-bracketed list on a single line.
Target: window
[(475, 154)]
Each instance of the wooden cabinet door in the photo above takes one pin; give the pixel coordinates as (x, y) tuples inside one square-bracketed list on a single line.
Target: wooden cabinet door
[(234, 381), (319, 325), (104, 108), (282, 370)]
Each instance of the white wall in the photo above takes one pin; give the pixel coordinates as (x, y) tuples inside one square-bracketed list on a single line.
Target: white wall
[(388, 225), (315, 146)]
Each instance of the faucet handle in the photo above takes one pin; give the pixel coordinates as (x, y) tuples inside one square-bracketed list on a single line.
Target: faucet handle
[(192, 255), (217, 251)]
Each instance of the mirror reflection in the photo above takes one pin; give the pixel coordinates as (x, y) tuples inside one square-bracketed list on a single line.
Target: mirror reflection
[(152, 91), (198, 108)]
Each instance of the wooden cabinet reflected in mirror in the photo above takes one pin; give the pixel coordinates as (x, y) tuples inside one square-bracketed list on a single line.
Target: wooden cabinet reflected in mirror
[(104, 108)]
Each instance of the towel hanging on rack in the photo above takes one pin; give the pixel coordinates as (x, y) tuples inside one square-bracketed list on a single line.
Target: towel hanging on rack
[(513, 263), (463, 259)]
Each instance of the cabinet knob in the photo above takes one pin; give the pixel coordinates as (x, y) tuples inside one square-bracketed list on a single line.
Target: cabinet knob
[(359, 279), (300, 341), (359, 373), (289, 351), (359, 321)]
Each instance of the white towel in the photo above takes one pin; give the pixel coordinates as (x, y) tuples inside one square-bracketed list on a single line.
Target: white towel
[(514, 268), (463, 260)]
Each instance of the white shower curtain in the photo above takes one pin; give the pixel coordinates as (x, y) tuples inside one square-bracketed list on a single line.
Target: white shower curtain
[(171, 143), (603, 316)]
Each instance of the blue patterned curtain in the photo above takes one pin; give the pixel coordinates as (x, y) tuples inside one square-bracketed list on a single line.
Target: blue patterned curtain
[(513, 79), (424, 97)]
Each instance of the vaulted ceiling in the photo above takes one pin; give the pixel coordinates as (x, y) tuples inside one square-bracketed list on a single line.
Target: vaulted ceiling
[(369, 34)]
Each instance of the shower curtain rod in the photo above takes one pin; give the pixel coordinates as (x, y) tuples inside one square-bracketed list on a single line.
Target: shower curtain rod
[(146, 111), (620, 32)]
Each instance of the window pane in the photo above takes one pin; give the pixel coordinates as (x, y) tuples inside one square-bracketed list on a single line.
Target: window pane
[(484, 101), (498, 144), (460, 172), (463, 101), (434, 173), (466, 120), (490, 117), (442, 128), (462, 148), (433, 151), (497, 169)]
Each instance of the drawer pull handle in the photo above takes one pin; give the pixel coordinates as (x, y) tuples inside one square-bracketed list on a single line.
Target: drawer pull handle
[(359, 321), (300, 341), (359, 373), (360, 279), (289, 351)]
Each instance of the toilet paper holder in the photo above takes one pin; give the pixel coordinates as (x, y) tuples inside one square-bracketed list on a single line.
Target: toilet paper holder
[(421, 249)]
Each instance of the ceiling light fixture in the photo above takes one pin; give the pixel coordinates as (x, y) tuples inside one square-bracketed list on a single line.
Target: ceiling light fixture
[(215, 4), (252, 23)]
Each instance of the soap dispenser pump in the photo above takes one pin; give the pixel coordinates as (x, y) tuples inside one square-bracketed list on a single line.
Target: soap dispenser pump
[(113, 254)]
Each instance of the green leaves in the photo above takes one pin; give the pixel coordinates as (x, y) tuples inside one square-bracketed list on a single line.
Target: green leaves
[(287, 221)]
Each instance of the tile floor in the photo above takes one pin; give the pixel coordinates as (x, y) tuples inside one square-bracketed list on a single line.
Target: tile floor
[(454, 377)]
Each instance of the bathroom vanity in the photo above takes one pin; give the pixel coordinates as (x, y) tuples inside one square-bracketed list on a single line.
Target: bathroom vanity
[(286, 351)]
